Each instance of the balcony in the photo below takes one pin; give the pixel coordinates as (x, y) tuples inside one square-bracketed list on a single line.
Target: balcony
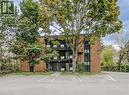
[(60, 61), (60, 47)]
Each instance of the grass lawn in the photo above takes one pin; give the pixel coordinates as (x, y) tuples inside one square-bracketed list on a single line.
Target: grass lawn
[(78, 73), (49, 73), (31, 73)]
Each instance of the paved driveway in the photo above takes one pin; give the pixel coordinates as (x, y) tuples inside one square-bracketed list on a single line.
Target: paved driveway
[(101, 84)]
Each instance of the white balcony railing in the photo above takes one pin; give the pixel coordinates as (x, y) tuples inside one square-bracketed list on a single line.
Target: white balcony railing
[(62, 57), (70, 56), (55, 46), (62, 45), (48, 46), (55, 57)]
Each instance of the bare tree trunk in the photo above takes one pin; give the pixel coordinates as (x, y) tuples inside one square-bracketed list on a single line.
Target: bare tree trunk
[(121, 56), (74, 60), (119, 65)]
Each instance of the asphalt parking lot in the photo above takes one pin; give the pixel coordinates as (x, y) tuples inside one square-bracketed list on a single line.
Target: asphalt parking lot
[(107, 83)]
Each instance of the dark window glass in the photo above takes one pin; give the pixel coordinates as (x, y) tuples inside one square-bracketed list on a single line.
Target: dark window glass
[(87, 56)]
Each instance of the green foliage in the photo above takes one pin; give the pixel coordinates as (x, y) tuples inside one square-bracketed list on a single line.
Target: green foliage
[(53, 41), (98, 17), (28, 21), (49, 56), (108, 54), (93, 18), (7, 23), (115, 68), (29, 9), (80, 67), (26, 46), (35, 52), (9, 66), (32, 53)]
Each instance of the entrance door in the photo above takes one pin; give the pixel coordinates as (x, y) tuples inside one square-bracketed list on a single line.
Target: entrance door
[(59, 67), (55, 67), (31, 68)]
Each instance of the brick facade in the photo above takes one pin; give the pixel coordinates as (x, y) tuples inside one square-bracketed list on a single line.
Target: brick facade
[(41, 67), (94, 58)]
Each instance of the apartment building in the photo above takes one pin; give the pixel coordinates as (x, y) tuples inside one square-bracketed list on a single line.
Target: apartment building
[(88, 53)]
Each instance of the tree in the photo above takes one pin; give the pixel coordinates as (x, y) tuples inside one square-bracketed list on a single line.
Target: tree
[(122, 40), (108, 54), (36, 52), (27, 46), (27, 26), (7, 20), (7, 27), (70, 18)]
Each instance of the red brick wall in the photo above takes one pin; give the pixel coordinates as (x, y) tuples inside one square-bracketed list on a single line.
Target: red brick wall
[(95, 57), (24, 66), (40, 67), (80, 58)]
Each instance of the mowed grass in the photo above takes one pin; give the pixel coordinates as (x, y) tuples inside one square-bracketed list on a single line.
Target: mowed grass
[(31, 73), (50, 73), (78, 73)]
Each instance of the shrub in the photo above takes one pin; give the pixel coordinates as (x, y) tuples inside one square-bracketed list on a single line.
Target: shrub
[(80, 67), (9, 66), (123, 68)]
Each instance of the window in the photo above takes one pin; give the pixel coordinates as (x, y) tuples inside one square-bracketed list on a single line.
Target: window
[(62, 55), (87, 63), (87, 56), (62, 44), (87, 51), (67, 54)]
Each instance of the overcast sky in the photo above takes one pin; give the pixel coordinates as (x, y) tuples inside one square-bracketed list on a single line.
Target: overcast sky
[(124, 16)]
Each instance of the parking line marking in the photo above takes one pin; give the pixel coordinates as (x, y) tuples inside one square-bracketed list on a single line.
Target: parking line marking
[(110, 78), (73, 78), (41, 80), (79, 79), (52, 80)]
